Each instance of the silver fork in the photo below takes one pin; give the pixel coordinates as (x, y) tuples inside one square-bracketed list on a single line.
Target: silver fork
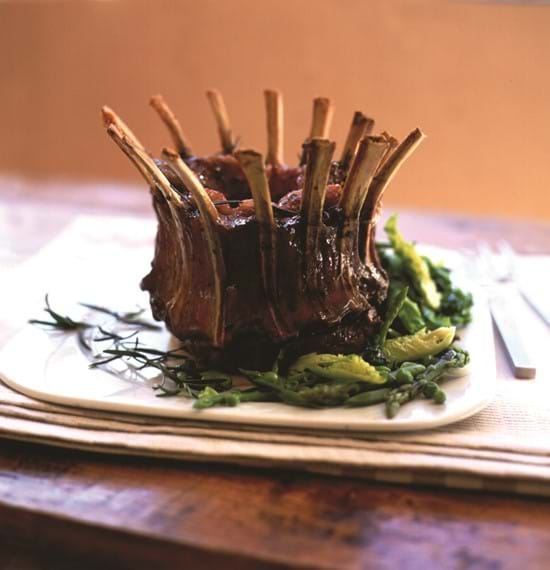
[(538, 302), (499, 276)]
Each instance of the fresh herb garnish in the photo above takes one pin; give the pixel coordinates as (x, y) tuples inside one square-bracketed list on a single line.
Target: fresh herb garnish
[(129, 318), (59, 322)]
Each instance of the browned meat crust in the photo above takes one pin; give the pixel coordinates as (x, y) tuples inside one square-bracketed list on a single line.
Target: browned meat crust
[(251, 258)]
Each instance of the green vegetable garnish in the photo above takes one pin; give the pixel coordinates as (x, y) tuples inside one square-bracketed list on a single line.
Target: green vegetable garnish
[(394, 306), (368, 398), (311, 359), (425, 383), (411, 317), (456, 304), (338, 368), (419, 345), (415, 265), (208, 398)]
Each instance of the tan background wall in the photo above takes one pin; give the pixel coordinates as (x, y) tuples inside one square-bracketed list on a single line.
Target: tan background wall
[(473, 75)]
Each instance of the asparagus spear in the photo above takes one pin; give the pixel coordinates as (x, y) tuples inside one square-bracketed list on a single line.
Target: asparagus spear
[(426, 382)]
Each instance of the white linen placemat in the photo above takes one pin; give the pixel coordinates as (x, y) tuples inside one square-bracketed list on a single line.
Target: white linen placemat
[(505, 447)]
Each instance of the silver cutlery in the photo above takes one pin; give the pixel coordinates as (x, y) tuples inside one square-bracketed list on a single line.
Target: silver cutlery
[(539, 302), (499, 276)]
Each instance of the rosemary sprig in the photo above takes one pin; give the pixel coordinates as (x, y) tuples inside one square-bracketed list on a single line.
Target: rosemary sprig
[(129, 318), (179, 373), (66, 323), (111, 335), (60, 322)]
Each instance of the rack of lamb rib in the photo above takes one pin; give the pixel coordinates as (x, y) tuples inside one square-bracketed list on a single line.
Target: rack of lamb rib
[(253, 256)]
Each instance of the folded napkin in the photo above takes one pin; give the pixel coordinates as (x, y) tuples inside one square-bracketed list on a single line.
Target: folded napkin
[(506, 447)]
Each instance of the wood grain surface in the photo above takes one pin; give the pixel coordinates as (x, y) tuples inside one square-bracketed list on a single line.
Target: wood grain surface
[(67, 509), (134, 513)]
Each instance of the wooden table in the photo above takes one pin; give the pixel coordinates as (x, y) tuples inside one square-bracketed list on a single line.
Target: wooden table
[(67, 509)]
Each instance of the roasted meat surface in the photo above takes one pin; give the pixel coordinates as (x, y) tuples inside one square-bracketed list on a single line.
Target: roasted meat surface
[(252, 256)]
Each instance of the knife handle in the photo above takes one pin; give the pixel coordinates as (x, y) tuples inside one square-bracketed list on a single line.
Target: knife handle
[(541, 306), (522, 364)]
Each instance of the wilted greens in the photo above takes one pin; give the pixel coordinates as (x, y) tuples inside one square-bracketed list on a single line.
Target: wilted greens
[(431, 300), (418, 345), (413, 266)]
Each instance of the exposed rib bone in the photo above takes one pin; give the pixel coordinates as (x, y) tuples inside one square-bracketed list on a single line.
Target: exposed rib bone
[(118, 136), (111, 118), (222, 120), (393, 143), (323, 110), (160, 186), (174, 128), (253, 166), (209, 218), (318, 159), (376, 191), (358, 127), (389, 169), (146, 165), (274, 113), (193, 184), (369, 154), (370, 126), (160, 179)]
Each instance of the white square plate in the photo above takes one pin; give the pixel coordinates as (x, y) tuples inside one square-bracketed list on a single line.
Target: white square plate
[(53, 367)]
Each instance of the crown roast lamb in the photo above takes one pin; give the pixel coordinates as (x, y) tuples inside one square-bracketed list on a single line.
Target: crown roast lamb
[(253, 256)]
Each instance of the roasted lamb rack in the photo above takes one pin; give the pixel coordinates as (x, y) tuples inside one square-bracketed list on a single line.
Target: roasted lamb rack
[(253, 256)]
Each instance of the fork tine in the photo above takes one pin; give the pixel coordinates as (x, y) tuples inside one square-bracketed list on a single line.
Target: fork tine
[(500, 265), (485, 260), (508, 254)]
